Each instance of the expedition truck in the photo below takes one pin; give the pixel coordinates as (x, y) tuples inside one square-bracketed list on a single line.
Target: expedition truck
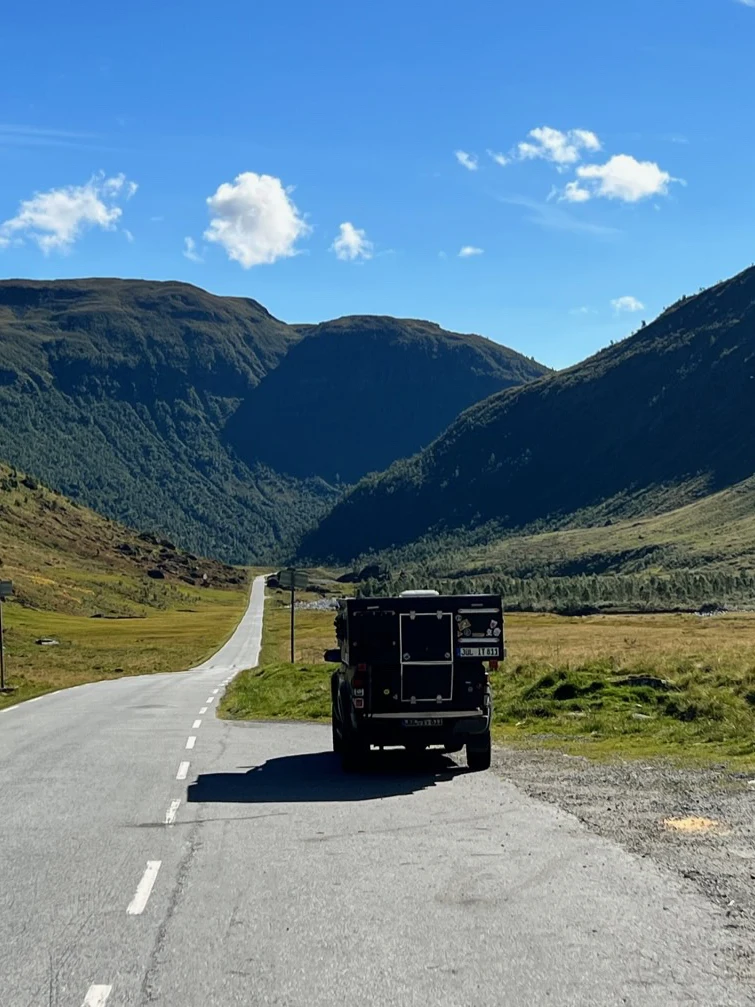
[(413, 673)]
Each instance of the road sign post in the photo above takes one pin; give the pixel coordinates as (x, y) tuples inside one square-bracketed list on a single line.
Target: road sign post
[(293, 625), (6, 590), (291, 579)]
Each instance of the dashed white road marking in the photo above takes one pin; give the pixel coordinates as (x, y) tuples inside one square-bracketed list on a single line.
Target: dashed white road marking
[(209, 699), (170, 814), (215, 692), (196, 724), (143, 892), (96, 996), (203, 709), (183, 770), (191, 741)]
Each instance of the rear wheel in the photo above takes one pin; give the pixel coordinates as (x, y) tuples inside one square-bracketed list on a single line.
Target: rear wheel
[(353, 750), (479, 753), (336, 731)]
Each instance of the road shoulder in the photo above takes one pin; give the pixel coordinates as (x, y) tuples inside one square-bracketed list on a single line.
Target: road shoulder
[(695, 822)]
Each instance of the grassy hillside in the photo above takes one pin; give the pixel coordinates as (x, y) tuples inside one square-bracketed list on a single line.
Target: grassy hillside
[(359, 392), (645, 426), (116, 601), (714, 534), (117, 391)]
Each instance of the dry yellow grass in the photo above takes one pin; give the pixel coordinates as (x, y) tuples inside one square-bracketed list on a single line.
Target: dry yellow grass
[(89, 650), (629, 639), (558, 640)]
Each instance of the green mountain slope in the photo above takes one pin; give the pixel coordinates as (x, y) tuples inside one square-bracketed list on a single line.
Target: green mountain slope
[(168, 408), (713, 534), (359, 392), (116, 393), (642, 427)]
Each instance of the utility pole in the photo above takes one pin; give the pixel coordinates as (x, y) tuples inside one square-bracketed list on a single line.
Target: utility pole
[(291, 579), (293, 605)]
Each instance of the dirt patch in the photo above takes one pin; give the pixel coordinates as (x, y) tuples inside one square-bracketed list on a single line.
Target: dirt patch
[(699, 823)]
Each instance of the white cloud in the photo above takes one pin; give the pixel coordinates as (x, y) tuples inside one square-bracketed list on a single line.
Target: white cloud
[(129, 235), (559, 148), (747, 3), (621, 304), (117, 184), (624, 177), (575, 193), (190, 250), (351, 243), (255, 220), (501, 159), (56, 219), (468, 161), (583, 311), (467, 251)]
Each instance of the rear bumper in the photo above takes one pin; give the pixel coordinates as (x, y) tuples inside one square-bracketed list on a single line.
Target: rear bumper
[(392, 731)]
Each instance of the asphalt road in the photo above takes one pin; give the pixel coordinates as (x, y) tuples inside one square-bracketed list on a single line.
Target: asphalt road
[(267, 877)]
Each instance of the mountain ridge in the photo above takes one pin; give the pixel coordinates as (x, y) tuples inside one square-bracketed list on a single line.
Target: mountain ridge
[(666, 406), (119, 393), (352, 396)]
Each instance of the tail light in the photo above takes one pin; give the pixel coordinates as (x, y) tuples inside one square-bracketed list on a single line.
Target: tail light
[(493, 665)]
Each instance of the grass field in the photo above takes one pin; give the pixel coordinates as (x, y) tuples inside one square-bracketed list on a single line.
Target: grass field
[(566, 683), (117, 602), (92, 649)]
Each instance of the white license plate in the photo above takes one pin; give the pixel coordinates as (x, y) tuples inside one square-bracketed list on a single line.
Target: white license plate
[(422, 722), (479, 652)]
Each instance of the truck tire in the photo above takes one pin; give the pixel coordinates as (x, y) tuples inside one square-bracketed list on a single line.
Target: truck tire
[(336, 730), (353, 750), (479, 753)]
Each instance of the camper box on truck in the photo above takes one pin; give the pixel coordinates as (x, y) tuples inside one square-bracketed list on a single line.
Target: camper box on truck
[(413, 672)]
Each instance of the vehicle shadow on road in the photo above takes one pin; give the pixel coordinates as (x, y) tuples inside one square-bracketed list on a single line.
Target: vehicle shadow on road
[(317, 776)]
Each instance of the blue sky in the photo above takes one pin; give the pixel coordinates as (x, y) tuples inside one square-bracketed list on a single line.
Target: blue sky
[(330, 159)]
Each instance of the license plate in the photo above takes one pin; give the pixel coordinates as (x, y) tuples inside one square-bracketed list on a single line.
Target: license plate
[(478, 652), (422, 722)]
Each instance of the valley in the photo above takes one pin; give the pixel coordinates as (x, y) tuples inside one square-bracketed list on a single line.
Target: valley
[(211, 422)]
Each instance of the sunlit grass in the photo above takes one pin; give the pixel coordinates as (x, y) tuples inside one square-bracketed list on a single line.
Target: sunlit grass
[(561, 685), (91, 649)]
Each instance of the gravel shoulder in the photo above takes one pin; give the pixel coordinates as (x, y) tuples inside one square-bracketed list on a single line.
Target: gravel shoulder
[(698, 823)]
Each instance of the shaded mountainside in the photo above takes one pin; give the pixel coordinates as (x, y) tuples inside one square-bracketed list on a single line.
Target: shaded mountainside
[(116, 392), (652, 422), (66, 558), (140, 399), (361, 391)]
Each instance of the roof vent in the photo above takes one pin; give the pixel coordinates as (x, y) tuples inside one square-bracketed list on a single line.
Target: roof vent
[(418, 594)]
